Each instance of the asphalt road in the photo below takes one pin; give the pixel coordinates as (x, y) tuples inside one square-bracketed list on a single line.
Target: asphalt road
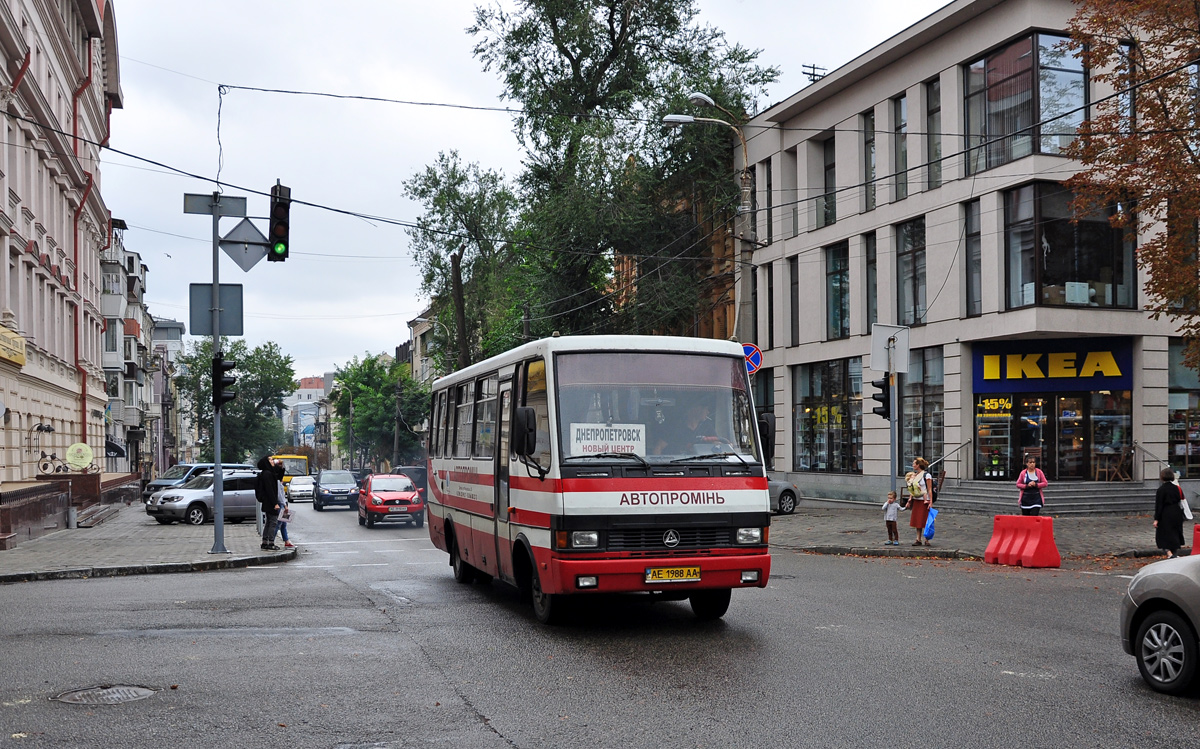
[(367, 641)]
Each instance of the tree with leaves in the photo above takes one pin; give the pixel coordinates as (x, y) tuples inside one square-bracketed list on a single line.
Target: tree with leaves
[(250, 423), (1140, 145), (365, 401), (604, 185)]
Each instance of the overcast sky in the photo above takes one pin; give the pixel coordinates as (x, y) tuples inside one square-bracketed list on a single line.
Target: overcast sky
[(350, 285)]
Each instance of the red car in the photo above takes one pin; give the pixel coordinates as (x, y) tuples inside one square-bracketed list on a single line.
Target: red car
[(388, 497)]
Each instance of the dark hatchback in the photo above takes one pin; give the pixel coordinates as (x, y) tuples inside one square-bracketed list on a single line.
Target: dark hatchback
[(335, 487)]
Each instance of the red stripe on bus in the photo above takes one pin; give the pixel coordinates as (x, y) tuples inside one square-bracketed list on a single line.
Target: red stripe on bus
[(662, 483)]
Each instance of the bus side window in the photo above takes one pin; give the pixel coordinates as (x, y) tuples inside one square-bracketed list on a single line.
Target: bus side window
[(537, 398), (435, 424)]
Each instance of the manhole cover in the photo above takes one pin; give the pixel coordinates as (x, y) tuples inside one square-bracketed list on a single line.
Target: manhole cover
[(105, 694)]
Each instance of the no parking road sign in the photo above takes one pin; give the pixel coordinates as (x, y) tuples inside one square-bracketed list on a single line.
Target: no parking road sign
[(753, 357)]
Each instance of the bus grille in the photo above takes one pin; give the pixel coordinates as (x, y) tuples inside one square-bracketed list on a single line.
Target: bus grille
[(639, 539)]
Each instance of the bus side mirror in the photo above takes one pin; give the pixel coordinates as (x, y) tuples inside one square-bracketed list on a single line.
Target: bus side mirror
[(766, 433), (524, 431)]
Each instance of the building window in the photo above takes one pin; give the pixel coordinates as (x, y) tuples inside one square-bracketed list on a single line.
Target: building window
[(1058, 258), (933, 131), (770, 195), (910, 271), (770, 305), (1183, 414), (827, 416), (974, 259), (872, 279), (868, 124), (1033, 80), (922, 409), (113, 329), (827, 201), (794, 298), (753, 304), (837, 291), (900, 148)]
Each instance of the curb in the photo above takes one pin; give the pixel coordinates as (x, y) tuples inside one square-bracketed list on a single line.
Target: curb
[(924, 552), (83, 573)]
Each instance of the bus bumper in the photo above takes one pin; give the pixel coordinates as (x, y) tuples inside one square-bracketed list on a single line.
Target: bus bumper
[(566, 575)]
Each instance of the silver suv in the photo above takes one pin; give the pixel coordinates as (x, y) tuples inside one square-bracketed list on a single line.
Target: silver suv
[(192, 503), (180, 474)]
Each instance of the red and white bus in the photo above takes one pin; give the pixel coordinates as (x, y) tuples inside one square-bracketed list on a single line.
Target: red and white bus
[(600, 464)]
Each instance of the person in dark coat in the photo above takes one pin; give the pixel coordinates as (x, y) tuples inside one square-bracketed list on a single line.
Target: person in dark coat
[(1168, 514), (266, 491)]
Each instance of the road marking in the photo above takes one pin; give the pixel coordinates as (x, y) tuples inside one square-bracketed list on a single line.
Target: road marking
[(1029, 676), (343, 552), (366, 541), (313, 566), (372, 564)]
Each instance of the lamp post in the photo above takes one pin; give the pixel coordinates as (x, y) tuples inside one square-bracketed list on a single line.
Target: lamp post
[(743, 312)]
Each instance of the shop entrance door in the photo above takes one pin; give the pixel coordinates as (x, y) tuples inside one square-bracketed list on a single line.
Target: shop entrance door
[(1051, 429)]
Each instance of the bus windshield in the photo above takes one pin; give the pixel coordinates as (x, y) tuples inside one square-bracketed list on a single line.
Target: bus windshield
[(657, 406), (294, 465)]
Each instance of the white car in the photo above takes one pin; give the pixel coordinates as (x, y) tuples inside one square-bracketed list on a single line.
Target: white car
[(300, 488), (784, 495)]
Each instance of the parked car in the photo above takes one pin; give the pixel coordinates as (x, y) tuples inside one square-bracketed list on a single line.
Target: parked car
[(419, 476), (181, 473), (334, 487), (193, 502), (388, 497), (300, 488), (783, 496), (1160, 622), (360, 474)]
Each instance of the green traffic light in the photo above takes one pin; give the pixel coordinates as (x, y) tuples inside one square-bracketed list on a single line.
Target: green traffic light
[(279, 248)]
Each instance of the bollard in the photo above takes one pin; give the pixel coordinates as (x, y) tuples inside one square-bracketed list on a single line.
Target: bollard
[(72, 517)]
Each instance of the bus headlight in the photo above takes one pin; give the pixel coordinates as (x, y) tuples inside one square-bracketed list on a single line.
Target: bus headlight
[(749, 535), (585, 539)]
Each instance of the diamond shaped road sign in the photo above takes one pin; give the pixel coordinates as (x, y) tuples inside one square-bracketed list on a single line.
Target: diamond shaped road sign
[(245, 244)]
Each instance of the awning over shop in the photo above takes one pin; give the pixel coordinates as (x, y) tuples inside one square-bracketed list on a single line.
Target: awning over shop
[(113, 450)]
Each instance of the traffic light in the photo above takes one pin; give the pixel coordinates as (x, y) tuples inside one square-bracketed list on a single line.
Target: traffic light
[(277, 238), (221, 381), (883, 395)]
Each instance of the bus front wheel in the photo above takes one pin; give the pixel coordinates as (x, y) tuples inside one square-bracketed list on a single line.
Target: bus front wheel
[(546, 606), (710, 604)]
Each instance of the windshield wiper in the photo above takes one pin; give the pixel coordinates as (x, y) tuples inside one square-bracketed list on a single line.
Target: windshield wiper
[(689, 458), (635, 456)]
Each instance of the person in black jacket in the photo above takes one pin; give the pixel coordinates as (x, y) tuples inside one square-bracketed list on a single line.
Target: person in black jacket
[(1168, 514), (266, 491)]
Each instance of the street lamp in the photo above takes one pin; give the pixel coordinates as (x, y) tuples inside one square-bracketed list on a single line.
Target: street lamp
[(742, 311)]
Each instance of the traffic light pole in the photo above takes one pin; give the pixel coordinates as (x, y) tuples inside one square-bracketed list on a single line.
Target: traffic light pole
[(891, 349), (218, 481)]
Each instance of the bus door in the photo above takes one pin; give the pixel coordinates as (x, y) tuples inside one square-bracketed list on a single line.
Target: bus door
[(500, 502)]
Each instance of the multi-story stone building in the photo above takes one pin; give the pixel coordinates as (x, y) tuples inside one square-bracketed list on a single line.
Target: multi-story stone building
[(173, 438), (58, 85), (301, 407), (921, 186)]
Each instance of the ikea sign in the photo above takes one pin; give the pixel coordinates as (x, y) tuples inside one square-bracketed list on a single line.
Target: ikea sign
[(1080, 364)]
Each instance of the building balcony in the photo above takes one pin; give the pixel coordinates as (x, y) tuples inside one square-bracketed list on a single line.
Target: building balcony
[(113, 306), (112, 360), (116, 410)]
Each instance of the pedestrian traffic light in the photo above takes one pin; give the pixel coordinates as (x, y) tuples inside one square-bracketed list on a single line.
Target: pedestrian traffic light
[(277, 238), (221, 381), (883, 395)]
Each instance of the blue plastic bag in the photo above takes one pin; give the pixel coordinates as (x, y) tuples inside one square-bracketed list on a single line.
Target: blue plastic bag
[(929, 523)]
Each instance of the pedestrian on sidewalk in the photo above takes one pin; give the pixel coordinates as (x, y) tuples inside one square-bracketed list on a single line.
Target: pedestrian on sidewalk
[(1031, 481), (267, 494), (891, 513), (1168, 514), (284, 511), (920, 492)]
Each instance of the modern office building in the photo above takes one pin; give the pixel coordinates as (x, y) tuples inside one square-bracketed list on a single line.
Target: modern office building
[(920, 186)]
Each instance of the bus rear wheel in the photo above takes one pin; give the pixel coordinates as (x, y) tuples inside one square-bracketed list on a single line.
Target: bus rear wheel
[(710, 604)]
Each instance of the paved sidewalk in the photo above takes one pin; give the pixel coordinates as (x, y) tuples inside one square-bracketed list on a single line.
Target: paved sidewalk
[(829, 528), (133, 543)]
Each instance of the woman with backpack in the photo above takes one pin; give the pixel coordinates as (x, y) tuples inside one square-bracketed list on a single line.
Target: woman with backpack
[(920, 497)]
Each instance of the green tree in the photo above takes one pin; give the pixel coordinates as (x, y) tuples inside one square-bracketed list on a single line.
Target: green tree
[(461, 243), (604, 184), (365, 401), (250, 423)]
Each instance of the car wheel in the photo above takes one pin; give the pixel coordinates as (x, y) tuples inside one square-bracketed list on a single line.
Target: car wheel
[(463, 572), (1166, 652), (370, 520), (710, 604), (164, 521), (787, 503), (195, 515), (318, 506), (547, 607), (420, 520)]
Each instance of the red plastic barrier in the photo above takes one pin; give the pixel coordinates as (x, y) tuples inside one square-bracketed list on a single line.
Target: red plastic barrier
[(1026, 541), (1196, 539)]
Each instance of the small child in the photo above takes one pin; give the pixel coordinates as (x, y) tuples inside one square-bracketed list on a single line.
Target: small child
[(891, 511)]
